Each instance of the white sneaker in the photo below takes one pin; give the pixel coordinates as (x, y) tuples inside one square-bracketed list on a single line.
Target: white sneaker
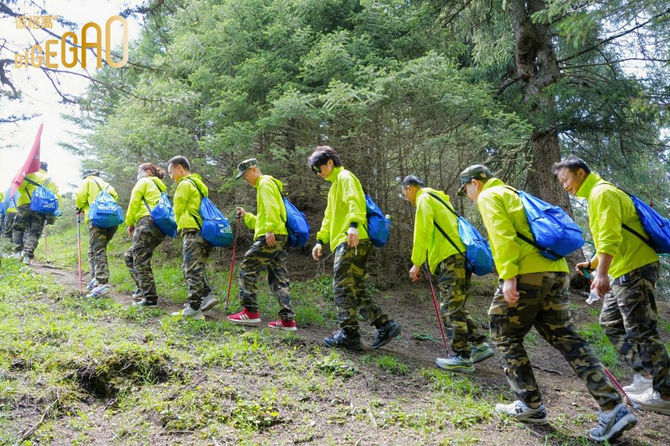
[(640, 385), (16, 255), (520, 411), (209, 302), (651, 400), (26, 260), (99, 291), (189, 313)]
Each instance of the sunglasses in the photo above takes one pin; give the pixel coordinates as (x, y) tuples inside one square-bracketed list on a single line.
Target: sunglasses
[(316, 169)]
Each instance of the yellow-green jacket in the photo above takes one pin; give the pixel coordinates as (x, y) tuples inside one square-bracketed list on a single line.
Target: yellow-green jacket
[(150, 189), (187, 202), (609, 207), (27, 189), (88, 190), (503, 215), (11, 204), (346, 205), (427, 238), (270, 208)]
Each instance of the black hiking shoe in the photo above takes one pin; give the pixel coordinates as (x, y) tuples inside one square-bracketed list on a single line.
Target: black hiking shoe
[(341, 339), (145, 303), (385, 333)]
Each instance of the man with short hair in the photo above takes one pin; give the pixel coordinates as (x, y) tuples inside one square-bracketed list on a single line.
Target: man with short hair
[(629, 316), (533, 292), (268, 252), (437, 240), (344, 227), (98, 237), (28, 224), (187, 199)]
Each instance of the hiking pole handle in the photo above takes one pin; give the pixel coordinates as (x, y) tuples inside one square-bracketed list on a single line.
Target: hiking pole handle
[(437, 310), (232, 265)]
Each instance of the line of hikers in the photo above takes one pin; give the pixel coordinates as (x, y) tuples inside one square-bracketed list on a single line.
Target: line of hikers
[(533, 288)]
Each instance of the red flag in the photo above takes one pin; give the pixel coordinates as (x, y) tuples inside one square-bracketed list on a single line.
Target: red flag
[(31, 165)]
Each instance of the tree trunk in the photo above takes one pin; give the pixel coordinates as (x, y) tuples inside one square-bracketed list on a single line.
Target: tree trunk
[(537, 68)]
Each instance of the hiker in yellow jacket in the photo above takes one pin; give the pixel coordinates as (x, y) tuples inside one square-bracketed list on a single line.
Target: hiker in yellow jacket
[(98, 238), (145, 233), (629, 316), (268, 252), (8, 224), (533, 292), (187, 198), (436, 239), (28, 224), (344, 228)]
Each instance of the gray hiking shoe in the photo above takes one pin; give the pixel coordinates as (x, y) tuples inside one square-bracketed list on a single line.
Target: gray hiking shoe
[(92, 284), (455, 363), (189, 313), (520, 411), (209, 302), (137, 294), (611, 425), (480, 352), (26, 260), (16, 255)]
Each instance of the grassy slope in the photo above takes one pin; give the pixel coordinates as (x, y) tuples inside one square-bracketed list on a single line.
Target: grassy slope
[(104, 372)]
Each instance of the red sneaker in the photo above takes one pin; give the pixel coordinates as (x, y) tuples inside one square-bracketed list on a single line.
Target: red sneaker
[(245, 317), (283, 325)]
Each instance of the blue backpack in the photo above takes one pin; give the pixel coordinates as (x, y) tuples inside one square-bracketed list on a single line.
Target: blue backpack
[(478, 256), (555, 235), (296, 223), (215, 228), (163, 214), (43, 201), (379, 227), (105, 212), (654, 224)]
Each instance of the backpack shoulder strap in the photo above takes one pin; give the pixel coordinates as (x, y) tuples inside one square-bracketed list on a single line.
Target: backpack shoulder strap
[(439, 228), (197, 188), (158, 185), (98, 184), (625, 226), (274, 180)]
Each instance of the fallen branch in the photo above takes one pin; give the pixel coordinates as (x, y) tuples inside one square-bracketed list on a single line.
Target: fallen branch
[(547, 370), (27, 435)]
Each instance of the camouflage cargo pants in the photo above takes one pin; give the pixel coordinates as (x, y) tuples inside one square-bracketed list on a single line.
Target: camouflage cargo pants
[(544, 304), (261, 257), (195, 252), (146, 239), (27, 230), (630, 320), (8, 225), (98, 238), (454, 283), (350, 288)]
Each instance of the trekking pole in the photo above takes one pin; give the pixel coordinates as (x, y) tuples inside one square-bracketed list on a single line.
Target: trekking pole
[(623, 392), (81, 291), (232, 265), (46, 243), (437, 310)]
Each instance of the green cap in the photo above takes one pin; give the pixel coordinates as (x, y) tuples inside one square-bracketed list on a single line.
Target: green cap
[(474, 172), (244, 165)]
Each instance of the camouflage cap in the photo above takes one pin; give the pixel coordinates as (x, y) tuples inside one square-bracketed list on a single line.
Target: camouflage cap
[(89, 172), (244, 165), (474, 172)]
